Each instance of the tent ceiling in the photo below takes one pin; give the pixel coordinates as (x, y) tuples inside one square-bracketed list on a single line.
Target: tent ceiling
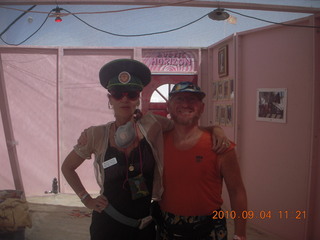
[(190, 3), (123, 23)]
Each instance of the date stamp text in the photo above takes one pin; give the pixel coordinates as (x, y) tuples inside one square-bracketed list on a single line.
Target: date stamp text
[(263, 215)]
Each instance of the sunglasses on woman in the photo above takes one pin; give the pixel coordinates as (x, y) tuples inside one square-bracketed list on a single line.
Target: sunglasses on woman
[(131, 95)]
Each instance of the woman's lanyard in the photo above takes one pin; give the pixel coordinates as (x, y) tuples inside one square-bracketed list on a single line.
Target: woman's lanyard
[(130, 168)]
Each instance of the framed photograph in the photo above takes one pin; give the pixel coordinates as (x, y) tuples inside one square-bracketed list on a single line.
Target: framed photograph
[(226, 93), (223, 115), (271, 104), (214, 91), (231, 88), (229, 115), (223, 61), (220, 89), (217, 114)]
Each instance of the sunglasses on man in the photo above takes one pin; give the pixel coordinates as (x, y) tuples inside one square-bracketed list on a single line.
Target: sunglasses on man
[(131, 95)]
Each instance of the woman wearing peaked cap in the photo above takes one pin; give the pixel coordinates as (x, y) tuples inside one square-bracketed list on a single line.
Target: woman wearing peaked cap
[(128, 158)]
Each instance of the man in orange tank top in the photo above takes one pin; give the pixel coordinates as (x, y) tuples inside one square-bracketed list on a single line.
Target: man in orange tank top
[(193, 176)]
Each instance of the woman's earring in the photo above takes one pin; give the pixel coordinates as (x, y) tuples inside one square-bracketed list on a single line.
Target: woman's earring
[(168, 114), (109, 105)]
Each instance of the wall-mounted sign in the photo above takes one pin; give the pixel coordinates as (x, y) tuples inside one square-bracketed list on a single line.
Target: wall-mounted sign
[(171, 61)]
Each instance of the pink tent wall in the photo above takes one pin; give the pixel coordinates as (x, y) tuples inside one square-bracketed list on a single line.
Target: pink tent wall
[(54, 93), (282, 58), (84, 101), (30, 78), (279, 161)]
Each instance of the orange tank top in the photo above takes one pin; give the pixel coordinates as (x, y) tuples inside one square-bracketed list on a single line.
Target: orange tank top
[(191, 178)]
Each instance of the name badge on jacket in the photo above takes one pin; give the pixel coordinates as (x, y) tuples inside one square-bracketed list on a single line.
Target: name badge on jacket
[(109, 163)]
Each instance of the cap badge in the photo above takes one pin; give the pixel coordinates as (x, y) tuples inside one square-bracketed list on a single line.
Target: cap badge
[(124, 77)]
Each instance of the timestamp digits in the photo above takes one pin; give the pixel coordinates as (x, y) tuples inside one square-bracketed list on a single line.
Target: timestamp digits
[(262, 215)]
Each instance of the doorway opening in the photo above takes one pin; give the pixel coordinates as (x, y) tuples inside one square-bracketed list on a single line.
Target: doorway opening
[(155, 94)]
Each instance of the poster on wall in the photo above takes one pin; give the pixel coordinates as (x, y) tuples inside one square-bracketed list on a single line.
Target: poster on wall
[(271, 104)]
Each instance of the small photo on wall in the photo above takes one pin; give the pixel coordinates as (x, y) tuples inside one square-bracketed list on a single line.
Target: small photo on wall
[(217, 114), (223, 61), (229, 115), (214, 90), (271, 104), (226, 93), (220, 90), (223, 115), (231, 88)]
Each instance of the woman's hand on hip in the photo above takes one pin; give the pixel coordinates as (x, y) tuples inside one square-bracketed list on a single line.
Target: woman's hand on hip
[(98, 204)]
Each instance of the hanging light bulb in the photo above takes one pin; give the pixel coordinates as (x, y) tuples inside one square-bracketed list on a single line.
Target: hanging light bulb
[(218, 14), (232, 20), (58, 18)]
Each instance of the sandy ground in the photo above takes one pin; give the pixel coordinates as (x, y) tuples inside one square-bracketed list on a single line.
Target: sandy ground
[(58, 222), (58, 217), (63, 217)]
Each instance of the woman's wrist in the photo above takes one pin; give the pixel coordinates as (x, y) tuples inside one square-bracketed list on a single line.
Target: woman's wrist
[(83, 196)]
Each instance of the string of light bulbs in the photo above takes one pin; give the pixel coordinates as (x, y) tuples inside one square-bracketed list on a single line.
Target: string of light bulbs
[(142, 34)]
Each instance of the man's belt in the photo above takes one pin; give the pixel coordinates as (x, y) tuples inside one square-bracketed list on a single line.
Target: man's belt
[(132, 222)]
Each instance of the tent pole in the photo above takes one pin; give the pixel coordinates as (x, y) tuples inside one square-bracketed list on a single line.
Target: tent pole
[(8, 132)]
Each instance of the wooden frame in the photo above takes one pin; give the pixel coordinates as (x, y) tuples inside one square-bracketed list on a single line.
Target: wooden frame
[(223, 61)]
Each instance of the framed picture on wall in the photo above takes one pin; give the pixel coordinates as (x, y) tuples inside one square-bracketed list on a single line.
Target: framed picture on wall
[(223, 115), (214, 91), (271, 104), (226, 92), (220, 90), (229, 114), (231, 88), (223, 61), (217, 114)]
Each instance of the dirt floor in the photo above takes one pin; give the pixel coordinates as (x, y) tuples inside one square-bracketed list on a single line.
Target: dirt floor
[(58, 222), (63, 217)]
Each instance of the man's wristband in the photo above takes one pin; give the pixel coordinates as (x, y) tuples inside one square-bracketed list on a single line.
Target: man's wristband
[(236, 237)]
